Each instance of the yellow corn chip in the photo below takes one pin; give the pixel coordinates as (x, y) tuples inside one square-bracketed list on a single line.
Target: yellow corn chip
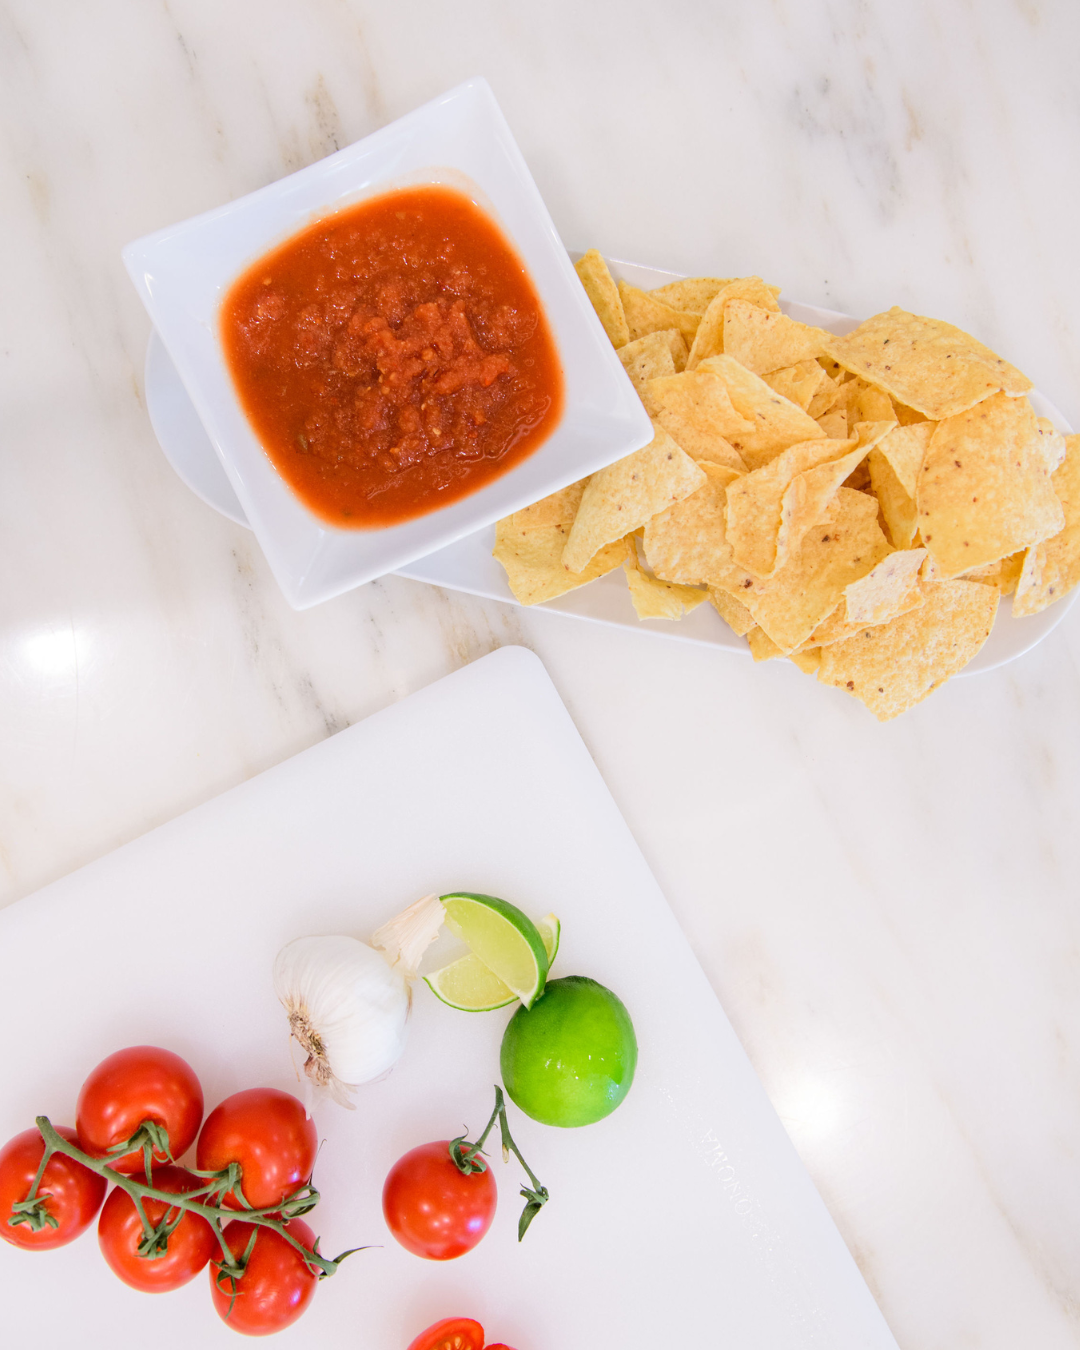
[(1003, 574), (656, 599), (905, 449), (764, 340), (1055, 567), (808, 662), (762, 647), (604, 295), (647, 358), (881, 594), (894, 470), (646, 315), (692, 293), (758, 509), (686, 543), (984, 489), (925, 364), (533, 561), (834, 424), (732, 611), (628, 493), (799, 383), (897, 664), (710, 334), (1053, 442), (884, 592), (826, 395), (558, 509), (696, 410), (840, 550), (775, 422)]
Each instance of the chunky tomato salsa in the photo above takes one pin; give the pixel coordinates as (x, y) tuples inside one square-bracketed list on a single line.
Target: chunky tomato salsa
[(393, 357)]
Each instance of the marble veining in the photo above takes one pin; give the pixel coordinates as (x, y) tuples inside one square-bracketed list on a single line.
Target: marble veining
[(888, 914)]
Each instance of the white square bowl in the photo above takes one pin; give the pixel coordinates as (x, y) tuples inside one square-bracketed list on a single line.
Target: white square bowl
[(460, 139)]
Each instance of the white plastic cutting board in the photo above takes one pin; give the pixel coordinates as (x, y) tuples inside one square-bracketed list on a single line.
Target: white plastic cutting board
[(685, 1218)]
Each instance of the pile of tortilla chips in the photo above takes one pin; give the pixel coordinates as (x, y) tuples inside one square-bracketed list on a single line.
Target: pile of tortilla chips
[(858, 504)]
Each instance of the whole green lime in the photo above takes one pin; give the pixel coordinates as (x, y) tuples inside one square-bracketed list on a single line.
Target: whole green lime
[(570, 1058)]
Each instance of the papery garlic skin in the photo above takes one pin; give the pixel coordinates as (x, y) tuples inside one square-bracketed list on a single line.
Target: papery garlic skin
[(347, 1007)]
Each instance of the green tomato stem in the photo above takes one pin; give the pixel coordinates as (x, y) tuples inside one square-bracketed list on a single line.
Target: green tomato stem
[(220, 1183)]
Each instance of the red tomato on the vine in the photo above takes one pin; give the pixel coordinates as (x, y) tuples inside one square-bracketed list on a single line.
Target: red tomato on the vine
[(277, 1284), (134, 1085), (270, 1135), (74, 1192), (190, 1244), (452, 1333), (432, 1208)]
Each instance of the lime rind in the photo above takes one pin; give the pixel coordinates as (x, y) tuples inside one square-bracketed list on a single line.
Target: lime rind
[(504, 939)]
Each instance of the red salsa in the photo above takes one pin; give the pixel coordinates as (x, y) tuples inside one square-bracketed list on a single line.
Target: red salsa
[(393, 357)]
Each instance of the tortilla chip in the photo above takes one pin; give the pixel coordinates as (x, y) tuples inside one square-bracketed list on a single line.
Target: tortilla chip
[(1052, 441), (894, 466), (696, 410), (628, 493), (1054, 568), (842, 548), (883, 593), (925, 364), (733, 612), (984, 489), (710, 334), (559, 508), (646, 315), (775, 422), (648, 358), (834, 424), (604, 295), (532, 558), (656, 599), (808, 662), (687, 542), (896, 665), (762, 647), (905, 449), (1003, 574), (765, 340), (691, 293), (825, 396), (907, 416), (799, 383), (758, 507)]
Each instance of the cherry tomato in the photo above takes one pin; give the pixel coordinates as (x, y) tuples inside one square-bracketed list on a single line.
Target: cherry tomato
[(270, 1135), (75, 1193), (191, 1243), (133, 1085), (432, 1208), (452, 1333), (276, 1286)]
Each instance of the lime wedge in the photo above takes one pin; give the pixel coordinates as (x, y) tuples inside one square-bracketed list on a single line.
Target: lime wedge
[(550, 930), (471, 986), (503, 938)]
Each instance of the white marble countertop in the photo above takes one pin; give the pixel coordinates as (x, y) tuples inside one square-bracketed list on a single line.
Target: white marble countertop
[(888, 913)]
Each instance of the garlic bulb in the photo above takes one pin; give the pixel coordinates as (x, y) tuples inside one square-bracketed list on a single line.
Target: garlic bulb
[(348, 1004)]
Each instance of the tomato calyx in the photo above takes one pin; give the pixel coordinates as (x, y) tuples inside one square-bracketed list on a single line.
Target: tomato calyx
[(467, 1158), (202, 1201), (151, 1139)]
